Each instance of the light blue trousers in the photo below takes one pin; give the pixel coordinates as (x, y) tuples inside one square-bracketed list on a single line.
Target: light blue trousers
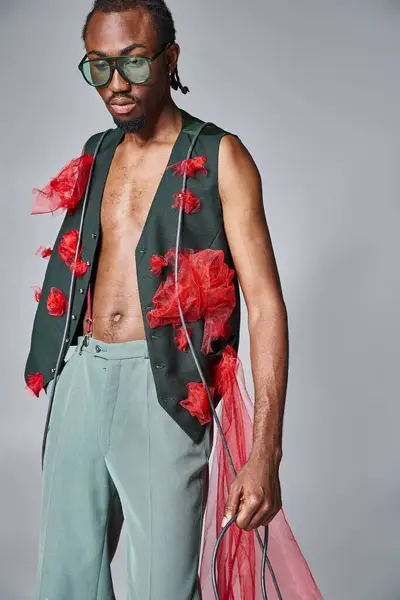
[(113, 454)]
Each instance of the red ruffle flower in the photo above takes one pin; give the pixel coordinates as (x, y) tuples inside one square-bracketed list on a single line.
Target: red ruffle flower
[(64, 191), (35, 383), (206, 290), (157, 263), (57, 302), (38, 292), (191, 166), (79, 268), (180, 338), (67, 246), (197, 402), (190, 203), (67, 250), (43, 252)]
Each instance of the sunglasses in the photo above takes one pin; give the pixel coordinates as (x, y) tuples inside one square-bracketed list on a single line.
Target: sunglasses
[(98, 72)]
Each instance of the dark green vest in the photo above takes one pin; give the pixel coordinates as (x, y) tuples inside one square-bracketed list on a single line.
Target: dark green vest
[(171, 367)]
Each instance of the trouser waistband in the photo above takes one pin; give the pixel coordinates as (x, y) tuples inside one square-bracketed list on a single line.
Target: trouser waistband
[(118, 351)]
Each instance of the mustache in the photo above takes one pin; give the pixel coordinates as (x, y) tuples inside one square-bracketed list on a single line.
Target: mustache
[(116, 96)]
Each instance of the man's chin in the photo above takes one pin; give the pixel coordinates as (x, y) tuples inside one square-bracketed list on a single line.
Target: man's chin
[(130, 125)]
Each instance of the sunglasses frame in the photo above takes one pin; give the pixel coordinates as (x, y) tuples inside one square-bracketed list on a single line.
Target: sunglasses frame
[(117, 66)]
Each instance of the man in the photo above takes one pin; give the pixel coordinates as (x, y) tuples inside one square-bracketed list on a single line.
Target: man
[(126, 440)]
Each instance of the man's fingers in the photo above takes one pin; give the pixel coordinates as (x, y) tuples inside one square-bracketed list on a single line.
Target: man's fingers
[(249, 509), (232, 503), (262, 517)]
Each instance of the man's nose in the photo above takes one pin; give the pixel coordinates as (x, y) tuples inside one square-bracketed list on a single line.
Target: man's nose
[(118, 83)]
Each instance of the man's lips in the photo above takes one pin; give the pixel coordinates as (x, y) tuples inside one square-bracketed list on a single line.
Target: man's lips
[(122, 106)]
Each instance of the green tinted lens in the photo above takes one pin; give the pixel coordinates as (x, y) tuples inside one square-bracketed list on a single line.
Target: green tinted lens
[(136, 68), (96, 72)]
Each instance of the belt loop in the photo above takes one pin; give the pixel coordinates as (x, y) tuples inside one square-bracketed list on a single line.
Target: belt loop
[(80, 348)]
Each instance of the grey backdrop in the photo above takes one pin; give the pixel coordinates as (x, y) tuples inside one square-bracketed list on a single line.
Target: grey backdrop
[(312, 87)]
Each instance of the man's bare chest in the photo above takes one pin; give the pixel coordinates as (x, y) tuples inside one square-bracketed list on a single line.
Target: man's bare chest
[(130, 190)]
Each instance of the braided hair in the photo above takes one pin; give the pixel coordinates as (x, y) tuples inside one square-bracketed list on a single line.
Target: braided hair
[(161, 18)]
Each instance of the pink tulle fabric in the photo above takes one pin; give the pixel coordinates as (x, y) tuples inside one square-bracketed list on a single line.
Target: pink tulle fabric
[(239, 555), (64, 191)]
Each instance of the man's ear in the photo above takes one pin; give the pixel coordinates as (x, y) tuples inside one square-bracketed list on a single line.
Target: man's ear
[(173, 52)]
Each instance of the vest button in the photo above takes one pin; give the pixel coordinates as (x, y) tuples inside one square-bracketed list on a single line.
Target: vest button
[(67, 340), (167, 399), (159, 366), (53, 370), (81, 291), (73, 317), (142, 251), (94, 235), (88, 263)]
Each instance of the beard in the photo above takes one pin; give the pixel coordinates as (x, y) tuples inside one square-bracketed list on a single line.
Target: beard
[(131, 125)]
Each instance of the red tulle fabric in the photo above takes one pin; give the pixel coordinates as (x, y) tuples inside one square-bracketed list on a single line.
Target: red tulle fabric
[(67, 246), (43, 252), (206, 290), (197, 402), (57, 302), (239, 555), (188, 200), (79, 268), (157, 263), (35, 383), (64, 191), (180, 338), (38, 292), (67, 250), (190, 166)]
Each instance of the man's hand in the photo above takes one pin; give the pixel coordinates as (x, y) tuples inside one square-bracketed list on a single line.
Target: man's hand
[(255, 494)]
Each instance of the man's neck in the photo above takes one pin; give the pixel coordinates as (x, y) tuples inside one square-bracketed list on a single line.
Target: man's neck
[(160, 127)]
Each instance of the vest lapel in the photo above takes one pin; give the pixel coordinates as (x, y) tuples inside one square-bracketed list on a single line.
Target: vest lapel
[(100, 173)]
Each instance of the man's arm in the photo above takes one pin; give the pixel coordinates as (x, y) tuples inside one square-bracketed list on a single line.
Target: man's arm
[(251, 247)]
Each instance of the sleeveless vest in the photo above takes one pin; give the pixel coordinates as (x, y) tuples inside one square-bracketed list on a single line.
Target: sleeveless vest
[(172, 368)]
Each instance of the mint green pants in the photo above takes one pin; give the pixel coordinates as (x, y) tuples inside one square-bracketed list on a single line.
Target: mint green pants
[(113, 454)]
